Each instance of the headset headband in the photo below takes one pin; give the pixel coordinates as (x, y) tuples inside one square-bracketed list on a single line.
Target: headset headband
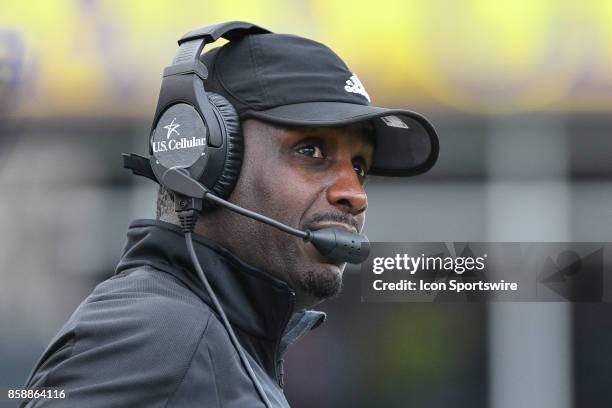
[(191, 45), (230, 30)]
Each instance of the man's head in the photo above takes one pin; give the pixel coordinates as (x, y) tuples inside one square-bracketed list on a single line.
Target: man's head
[(307, 177), (309, 134)]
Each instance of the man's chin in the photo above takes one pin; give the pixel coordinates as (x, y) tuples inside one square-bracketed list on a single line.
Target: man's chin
[(314, 276), (314, 256), (321, 282), (321, 278)]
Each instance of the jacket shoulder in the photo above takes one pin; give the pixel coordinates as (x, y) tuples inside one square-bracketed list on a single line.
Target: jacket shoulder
[(149, 293), (154, 304), (129, 343)]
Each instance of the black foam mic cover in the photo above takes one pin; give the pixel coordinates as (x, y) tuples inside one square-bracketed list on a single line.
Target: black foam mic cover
[(340, 245)]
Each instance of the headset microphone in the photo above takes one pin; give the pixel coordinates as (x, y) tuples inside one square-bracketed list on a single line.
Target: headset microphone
[(336, 244)]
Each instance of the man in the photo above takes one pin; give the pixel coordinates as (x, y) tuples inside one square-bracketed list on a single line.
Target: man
[(148, 336)]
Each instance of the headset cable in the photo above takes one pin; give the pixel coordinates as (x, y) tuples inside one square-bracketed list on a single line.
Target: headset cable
[(188, 219)]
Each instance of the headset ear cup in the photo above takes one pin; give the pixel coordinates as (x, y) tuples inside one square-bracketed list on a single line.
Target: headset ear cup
[(234, 145)]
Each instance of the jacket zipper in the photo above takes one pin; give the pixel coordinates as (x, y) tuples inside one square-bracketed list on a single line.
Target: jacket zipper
[(279, 361), (281, 374)]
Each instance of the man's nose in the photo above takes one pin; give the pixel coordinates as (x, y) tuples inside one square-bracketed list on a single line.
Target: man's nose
[(346, 191)]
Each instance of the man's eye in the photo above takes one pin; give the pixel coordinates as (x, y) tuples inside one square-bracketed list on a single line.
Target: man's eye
[(311, 150), (360, 170)]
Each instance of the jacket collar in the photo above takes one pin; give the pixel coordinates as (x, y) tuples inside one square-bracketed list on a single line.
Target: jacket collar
[(259, 306)]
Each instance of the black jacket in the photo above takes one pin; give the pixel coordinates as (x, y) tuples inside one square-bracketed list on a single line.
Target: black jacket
[(148, 337)]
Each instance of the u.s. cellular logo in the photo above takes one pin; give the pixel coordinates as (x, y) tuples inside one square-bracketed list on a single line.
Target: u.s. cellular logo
[(171, 128), (176, 144)]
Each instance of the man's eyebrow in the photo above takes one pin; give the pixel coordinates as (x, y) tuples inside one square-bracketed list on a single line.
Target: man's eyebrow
[(309, 130), (365, 128)]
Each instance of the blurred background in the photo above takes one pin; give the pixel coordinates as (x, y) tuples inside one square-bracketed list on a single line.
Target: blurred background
[(520, 92)]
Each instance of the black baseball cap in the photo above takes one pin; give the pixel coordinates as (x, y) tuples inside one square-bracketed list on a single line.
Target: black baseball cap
[(290, 80)]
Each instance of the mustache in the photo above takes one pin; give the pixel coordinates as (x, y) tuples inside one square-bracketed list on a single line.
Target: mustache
[(333, 217)]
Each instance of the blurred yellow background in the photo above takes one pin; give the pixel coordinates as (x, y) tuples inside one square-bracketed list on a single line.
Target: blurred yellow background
[(90, 58), (520, 92)]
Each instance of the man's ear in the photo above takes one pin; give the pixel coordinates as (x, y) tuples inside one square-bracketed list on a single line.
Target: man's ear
[(165, 203)]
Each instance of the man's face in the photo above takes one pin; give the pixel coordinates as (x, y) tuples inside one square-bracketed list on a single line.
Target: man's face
[(309, 178)]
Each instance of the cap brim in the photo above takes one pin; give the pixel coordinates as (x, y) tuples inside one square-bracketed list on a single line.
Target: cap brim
[(406, 142)]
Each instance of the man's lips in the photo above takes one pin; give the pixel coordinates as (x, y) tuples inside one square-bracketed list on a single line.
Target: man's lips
[(310, 249), (321, 225)]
